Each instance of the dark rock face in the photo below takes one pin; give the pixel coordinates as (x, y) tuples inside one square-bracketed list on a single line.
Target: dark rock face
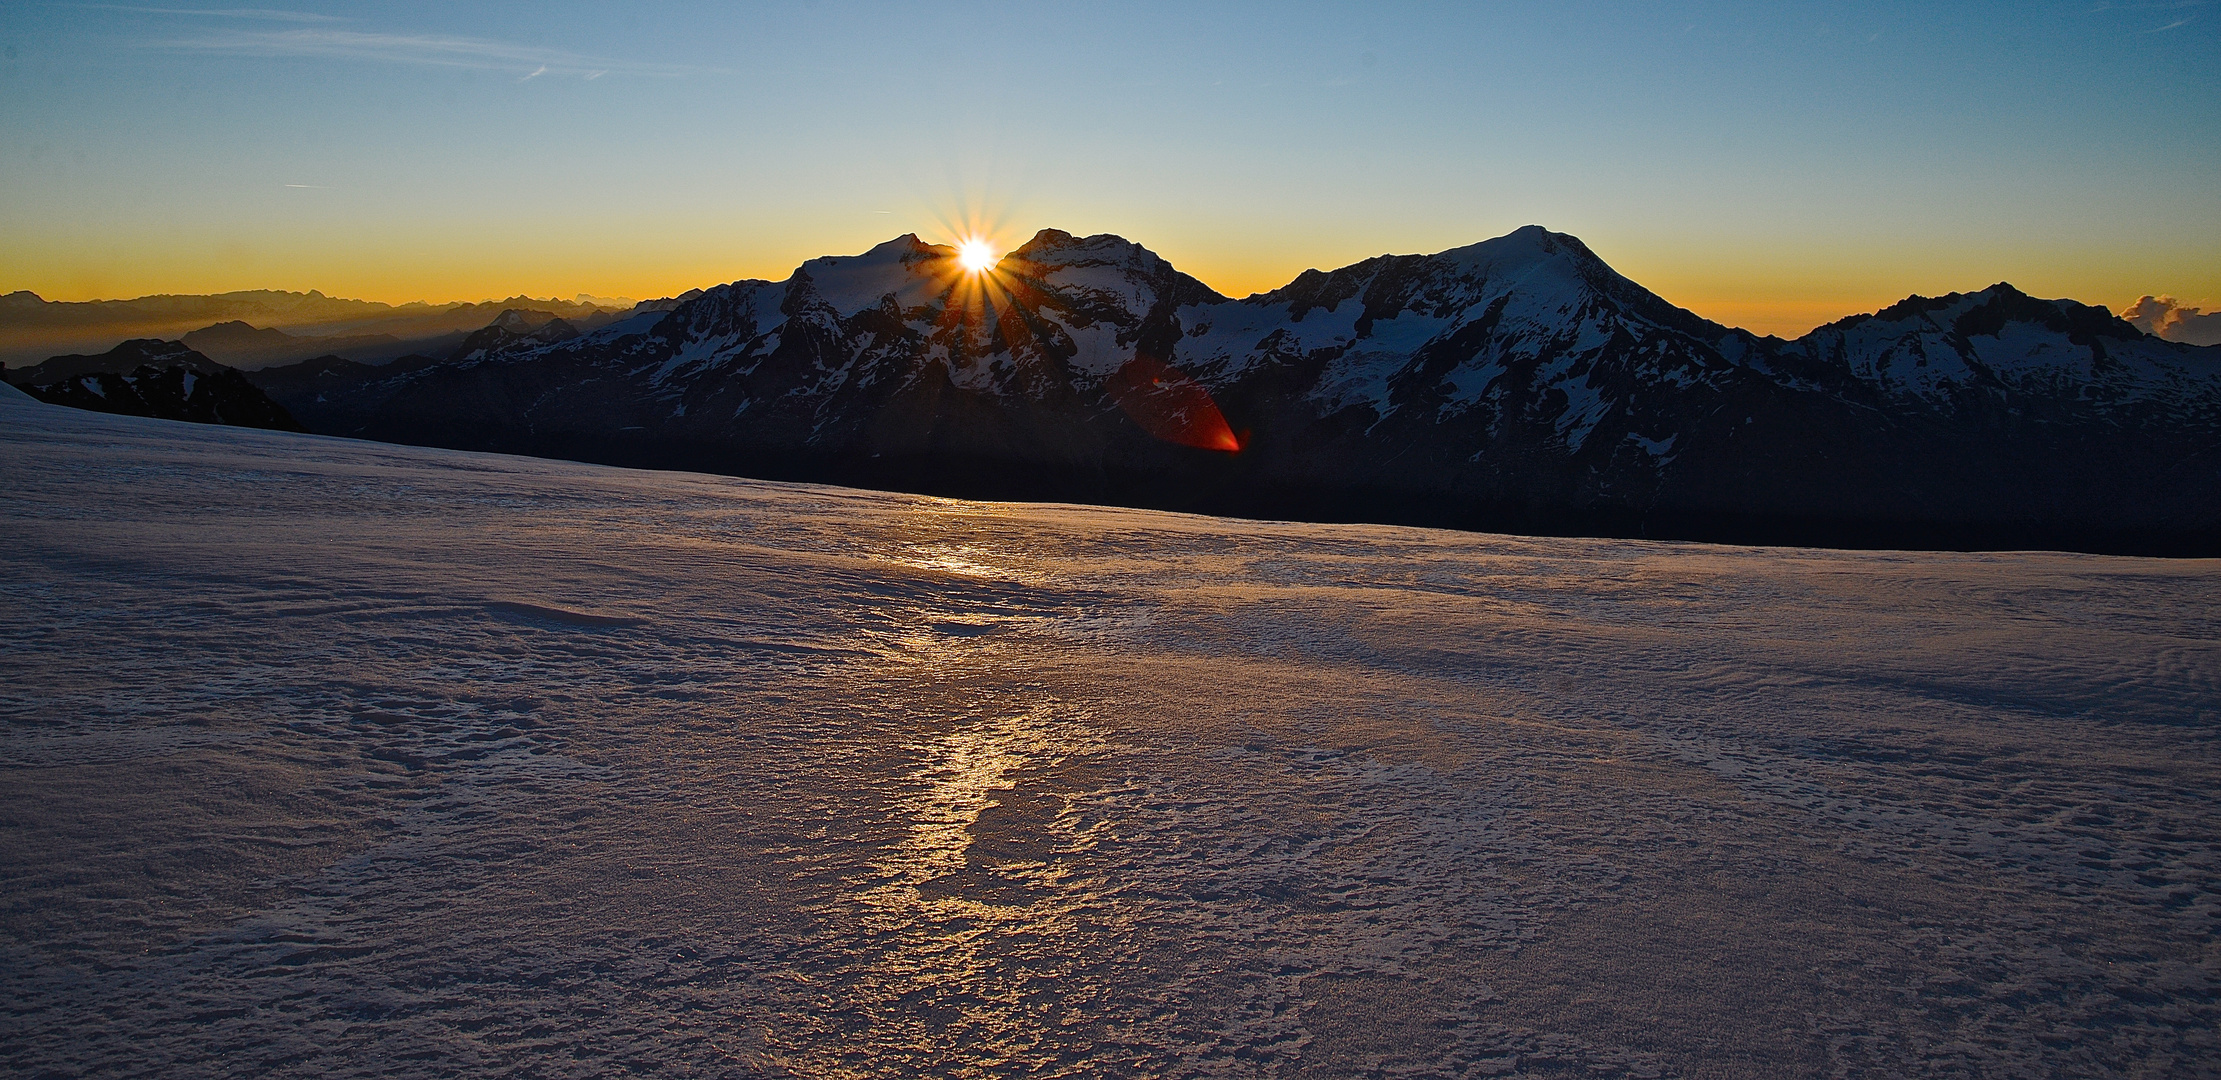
[(329, 393), (129, 356), (161, 379), (1518, 384)]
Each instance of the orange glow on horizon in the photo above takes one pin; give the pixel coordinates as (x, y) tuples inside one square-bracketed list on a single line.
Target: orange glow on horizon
[(1767, 288)]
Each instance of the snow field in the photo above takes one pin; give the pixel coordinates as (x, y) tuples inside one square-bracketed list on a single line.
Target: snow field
[(334, 758)]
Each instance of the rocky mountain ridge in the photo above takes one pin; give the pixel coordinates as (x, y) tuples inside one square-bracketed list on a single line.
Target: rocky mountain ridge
[(161, 379), (1517, 384)]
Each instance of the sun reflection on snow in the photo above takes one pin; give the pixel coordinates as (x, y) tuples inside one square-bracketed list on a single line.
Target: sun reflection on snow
[(968, 560), (964, 770)]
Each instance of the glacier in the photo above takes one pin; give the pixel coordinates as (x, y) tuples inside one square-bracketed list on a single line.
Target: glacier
[(338, 758)]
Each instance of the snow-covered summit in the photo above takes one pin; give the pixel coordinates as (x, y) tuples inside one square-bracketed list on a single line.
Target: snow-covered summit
[(906, 268), (1961, 348), (1517, 382), (1106, 264)]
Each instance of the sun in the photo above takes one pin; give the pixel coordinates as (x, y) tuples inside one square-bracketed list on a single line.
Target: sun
[(975, 255)]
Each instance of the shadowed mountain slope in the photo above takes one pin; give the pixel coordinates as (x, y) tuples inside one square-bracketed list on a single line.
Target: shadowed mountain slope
[(1517, 384), (160, 379)]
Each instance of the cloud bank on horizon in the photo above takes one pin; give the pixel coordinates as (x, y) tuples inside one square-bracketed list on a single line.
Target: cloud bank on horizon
[(2166, 317), (1767, 165)]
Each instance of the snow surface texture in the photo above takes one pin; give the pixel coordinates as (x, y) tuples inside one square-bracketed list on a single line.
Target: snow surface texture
[(346, 759)]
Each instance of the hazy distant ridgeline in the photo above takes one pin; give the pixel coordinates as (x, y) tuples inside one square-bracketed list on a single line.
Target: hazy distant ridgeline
[(33, 329)]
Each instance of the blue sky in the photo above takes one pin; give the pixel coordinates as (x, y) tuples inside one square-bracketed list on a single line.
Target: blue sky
[(1766, 164)]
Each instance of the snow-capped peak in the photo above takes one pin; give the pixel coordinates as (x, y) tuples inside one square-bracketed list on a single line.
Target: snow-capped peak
[(907, 268)]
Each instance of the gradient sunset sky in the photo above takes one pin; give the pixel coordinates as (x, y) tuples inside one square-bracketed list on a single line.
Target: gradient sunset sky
[(1770, 165)]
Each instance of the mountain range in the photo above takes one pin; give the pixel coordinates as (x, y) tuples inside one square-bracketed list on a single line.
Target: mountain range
[(257, 328), (1519, 384)]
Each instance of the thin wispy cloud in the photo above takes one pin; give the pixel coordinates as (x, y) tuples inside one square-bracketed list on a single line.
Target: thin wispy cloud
[(2158, 6), (266, 14), (536, 73), (415, 49)]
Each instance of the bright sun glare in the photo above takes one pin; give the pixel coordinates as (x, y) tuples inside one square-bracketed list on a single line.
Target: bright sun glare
[(975, 255)]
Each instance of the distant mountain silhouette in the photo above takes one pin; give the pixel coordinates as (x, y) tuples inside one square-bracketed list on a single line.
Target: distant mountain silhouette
[(1518, 384), (32, 328), (241, 345)]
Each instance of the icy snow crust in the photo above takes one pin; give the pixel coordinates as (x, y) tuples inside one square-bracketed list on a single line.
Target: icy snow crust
[(329, 758)]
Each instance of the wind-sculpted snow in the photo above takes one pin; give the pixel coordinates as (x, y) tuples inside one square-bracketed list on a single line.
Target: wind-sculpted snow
[(330, 758)]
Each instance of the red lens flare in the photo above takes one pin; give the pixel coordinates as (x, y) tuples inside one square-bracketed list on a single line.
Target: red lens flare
[(1171, 406)]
